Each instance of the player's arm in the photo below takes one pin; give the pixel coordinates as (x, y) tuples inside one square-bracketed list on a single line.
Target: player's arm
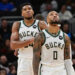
[(68, 62), (38, 41), (42, 25), (16, 52), (15, 43)]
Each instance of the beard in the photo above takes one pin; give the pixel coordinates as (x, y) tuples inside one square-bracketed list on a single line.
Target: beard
[(28, 18), (55, 22)]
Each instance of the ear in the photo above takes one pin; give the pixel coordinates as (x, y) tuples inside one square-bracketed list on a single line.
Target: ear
[(47, 19), (21, 14), (33, 12)]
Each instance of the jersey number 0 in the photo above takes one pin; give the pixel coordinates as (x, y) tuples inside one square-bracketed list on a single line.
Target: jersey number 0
[(55, 55)]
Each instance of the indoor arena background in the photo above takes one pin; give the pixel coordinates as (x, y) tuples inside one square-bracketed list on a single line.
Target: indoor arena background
[(8, 61)]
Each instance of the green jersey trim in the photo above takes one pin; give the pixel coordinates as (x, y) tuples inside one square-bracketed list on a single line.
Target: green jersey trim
[(40, 69), (44, 39), (19, 26), (52, 34), (39, 27), (30, 25)]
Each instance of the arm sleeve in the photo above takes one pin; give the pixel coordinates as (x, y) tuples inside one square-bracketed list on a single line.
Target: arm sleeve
[(69, 67)]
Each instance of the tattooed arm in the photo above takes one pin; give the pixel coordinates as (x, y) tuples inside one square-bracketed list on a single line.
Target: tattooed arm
[(67, 47), (36, 51), (68, 62)]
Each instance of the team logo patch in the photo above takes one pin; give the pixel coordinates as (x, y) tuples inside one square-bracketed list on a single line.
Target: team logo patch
[(34, 26), (60, 37)]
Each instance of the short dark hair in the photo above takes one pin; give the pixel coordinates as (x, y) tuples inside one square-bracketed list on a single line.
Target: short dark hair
[(39, 17), (24, 4)]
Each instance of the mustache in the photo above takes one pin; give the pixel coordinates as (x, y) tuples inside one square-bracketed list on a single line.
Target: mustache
[(55, 22), (28, 18)]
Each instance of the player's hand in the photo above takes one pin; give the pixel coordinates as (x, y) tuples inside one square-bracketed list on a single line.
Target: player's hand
[(30, 41)]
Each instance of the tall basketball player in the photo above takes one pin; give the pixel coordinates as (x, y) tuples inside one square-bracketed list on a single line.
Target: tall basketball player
[(54, 46), (22, 38)]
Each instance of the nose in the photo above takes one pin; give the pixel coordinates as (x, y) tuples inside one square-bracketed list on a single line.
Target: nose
[(28, 11), (55, 15)]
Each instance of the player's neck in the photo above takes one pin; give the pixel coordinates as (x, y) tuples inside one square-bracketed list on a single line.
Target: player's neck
[(29, 22), (53, 29)]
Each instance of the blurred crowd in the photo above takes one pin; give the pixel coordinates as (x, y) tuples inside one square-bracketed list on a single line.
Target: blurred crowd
[(66, 10)]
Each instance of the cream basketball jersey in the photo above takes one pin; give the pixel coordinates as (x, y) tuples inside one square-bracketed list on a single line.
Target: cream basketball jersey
[(26, 32), (53, 49)]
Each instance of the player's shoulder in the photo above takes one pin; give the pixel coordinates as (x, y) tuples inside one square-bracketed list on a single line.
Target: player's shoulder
[(16, 25)]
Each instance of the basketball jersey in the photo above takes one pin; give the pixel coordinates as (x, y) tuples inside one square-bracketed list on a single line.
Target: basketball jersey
[(53, 49), (27, 32)]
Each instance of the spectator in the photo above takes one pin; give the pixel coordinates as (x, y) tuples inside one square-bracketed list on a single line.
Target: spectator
[(45, 8), (68, 3), (73, 7), (3, 71), (65, 28), (4, 63), (1, 44), (5, 29), (6, 6), (12, 70), (65, 14), (7, 45), (54, 4)]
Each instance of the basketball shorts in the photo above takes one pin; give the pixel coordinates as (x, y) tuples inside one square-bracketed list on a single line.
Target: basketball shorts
[(47, 70), (25, 67)]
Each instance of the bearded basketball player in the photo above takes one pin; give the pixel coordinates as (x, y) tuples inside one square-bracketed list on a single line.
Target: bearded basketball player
[(54, 46)]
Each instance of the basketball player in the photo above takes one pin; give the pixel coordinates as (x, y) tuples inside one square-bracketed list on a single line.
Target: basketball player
[(54, 46), (22, 38)]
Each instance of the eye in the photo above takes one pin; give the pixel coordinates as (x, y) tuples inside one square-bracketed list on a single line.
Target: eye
[(29, 8), (57, 14), (51, 14), (24, 9)]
